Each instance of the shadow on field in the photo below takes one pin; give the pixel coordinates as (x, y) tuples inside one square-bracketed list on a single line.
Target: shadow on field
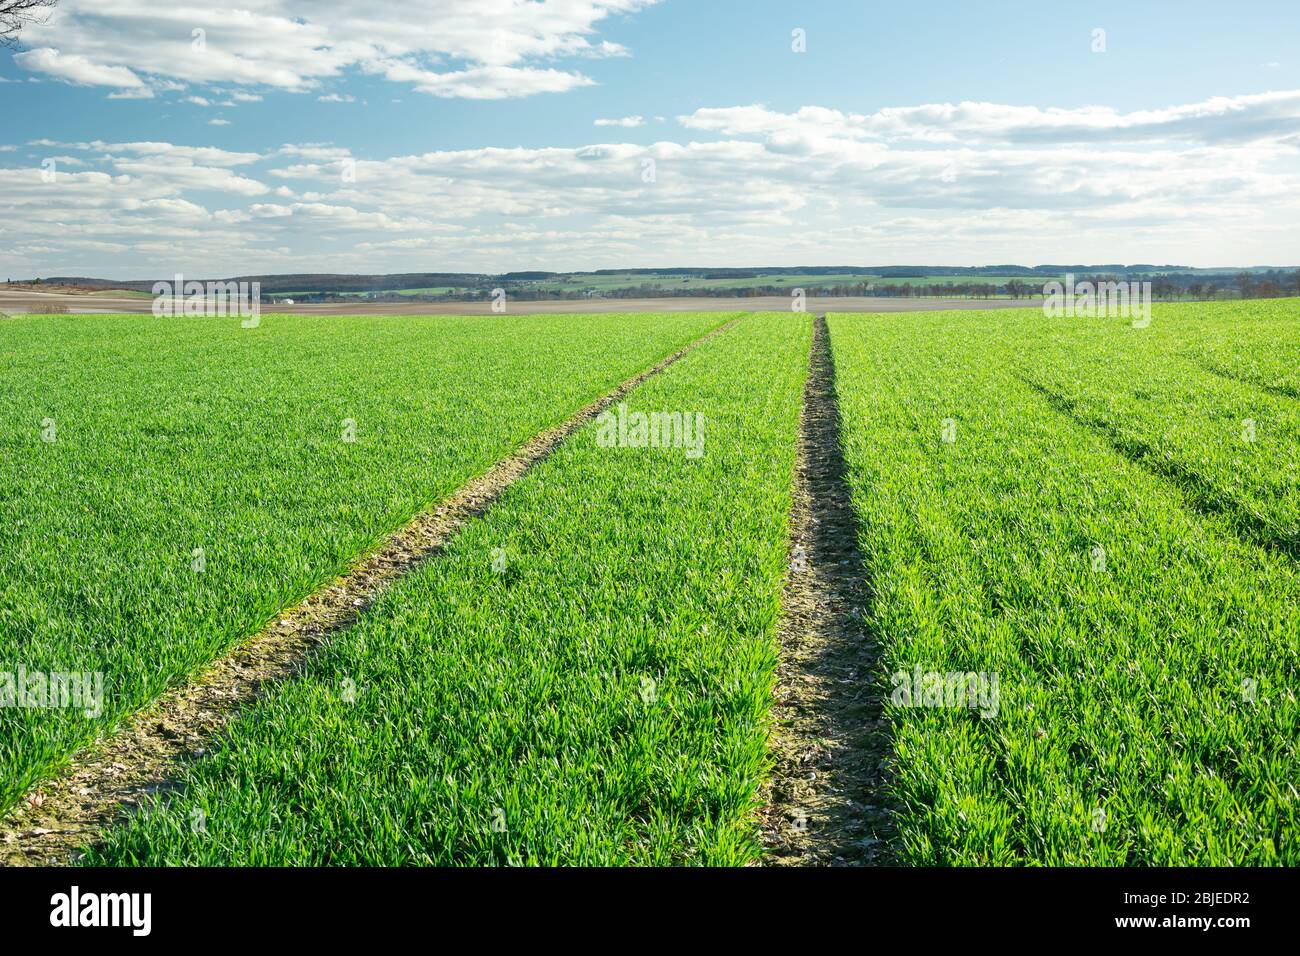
[(826, 802), (1198, 493)]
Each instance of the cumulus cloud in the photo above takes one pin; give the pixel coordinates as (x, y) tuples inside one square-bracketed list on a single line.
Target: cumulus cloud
[(627, 122), (481, 82), (75, 68), (747, 185), (1221, 119), (495, 46), (202, 155)]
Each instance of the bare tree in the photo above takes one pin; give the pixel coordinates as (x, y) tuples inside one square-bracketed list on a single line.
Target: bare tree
[(1246, 283), (15, 13)]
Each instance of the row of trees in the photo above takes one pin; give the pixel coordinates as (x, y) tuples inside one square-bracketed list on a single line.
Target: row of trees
[(1166, 288), (1245, 285), (1267, 285)]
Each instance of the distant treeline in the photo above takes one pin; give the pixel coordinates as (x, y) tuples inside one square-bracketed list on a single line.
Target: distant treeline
[(1167, 282)]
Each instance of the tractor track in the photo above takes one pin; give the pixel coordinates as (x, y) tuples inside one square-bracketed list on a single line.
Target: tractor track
[(141, 761), (826, 802)]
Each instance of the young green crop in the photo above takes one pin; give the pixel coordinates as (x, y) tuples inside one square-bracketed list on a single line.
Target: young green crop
[(1205, 411), (169, 485), (1253, 342), (1145, 653), (582, 677)]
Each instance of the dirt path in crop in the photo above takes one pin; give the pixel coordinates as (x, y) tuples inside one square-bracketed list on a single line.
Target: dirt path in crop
[(142, 760), (825, 803)]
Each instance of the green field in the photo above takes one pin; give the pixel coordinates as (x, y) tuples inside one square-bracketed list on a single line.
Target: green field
[(171, 436), (600, 699), (1100, 536), (1078, 537)]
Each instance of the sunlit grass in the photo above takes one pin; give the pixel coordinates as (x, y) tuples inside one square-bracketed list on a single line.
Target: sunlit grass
[(168, 485), (597, 697), (1146, 646)]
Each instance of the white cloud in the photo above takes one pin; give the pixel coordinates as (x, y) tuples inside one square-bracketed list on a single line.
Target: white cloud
[(174, 177), (337, 98), (204, 155), (1220, 119), (1201, 183), (628, 122), (482, 82), (78, 69), (497, 46)]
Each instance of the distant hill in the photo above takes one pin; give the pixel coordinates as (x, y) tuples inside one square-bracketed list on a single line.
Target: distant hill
[(885, 280), (334, 282)]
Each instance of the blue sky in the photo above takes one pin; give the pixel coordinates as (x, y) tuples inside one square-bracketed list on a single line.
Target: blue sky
[(461, 135)]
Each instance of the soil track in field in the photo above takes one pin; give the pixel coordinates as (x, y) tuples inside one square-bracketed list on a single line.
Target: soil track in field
[(826, 802), (141, 761)]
